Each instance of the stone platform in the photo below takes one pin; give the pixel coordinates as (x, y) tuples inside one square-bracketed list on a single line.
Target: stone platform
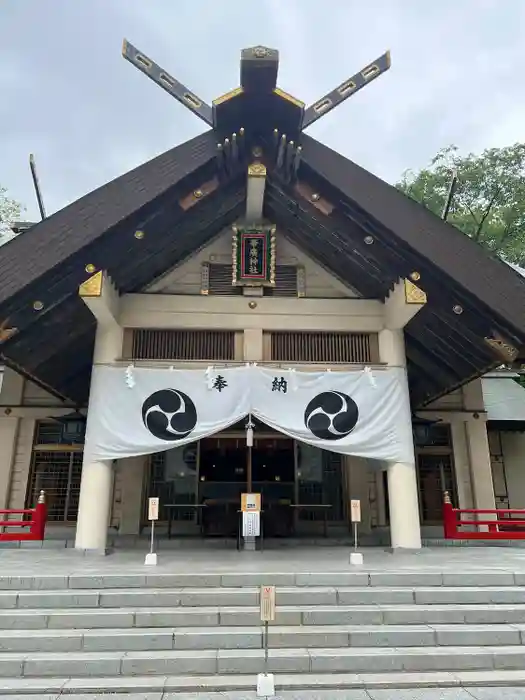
[(302, 559), (442, 619)]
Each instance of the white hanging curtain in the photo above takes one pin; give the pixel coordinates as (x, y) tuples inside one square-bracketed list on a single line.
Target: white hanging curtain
[(354, 413), (138, 411)]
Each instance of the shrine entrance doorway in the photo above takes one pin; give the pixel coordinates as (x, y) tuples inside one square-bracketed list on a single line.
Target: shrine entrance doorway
[(200, 485), (224, 476)]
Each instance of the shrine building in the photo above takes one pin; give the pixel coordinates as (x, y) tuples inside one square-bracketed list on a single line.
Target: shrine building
[(251, 312)]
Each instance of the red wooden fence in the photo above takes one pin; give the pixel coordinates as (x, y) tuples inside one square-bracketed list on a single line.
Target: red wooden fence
[(36, 525), (499, 525)]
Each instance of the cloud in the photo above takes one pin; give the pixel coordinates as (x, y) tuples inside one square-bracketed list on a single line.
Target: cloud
[(69, 97)]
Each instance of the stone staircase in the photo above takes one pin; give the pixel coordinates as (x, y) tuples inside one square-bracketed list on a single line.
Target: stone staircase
[(157, 632)]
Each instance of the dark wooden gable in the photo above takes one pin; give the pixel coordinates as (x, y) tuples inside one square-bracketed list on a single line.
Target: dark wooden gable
[(475, 301), (358, 227)]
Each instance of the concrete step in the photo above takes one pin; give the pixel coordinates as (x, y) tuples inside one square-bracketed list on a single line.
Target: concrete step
[(249, 596), (281, 637), (242, 686), (251, 661), (249, 616), (362, 579)]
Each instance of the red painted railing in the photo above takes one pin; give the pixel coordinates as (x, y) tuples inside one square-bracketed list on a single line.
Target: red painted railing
[(501, 525), (36, 525)]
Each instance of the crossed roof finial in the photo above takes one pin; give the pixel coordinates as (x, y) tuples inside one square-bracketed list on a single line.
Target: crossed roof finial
[(259, 68)]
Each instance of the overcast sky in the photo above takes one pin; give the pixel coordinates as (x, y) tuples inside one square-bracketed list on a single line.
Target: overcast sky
[(68, 96)]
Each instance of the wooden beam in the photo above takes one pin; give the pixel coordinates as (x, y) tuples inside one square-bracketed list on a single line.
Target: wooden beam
[(440, 348), (101, 297), (440, 287), (459, 335), (347, 89), (174, 245), (403, 302), (255, 192), (109, 252), (167, 82), (326, 241), (36, 412), (437, 373)]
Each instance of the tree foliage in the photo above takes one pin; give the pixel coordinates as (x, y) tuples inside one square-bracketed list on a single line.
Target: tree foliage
[(489, 199), (9, 211)]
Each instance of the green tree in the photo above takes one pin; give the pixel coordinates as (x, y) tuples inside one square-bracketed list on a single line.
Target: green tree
[(9, 211), (489, 199)]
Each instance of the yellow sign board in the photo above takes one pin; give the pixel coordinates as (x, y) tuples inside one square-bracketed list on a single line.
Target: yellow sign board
[(251, 502)]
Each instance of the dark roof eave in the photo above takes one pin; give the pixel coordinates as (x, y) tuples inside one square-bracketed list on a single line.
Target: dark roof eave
[(49, 243), (499, 287)]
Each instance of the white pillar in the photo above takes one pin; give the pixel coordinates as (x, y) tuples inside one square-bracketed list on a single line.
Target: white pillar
[(462, 467), (480, 467), (462, 464), (405, 529), (96, 488), (96, 485), (479, 451)]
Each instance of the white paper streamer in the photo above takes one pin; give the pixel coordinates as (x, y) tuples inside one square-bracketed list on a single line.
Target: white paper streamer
[(130, 379), (371, 378)]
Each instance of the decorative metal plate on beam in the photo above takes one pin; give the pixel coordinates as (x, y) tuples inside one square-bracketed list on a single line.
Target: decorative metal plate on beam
[(413, 294), (502, 348), (92, 287), (199, 193), (6, 331), (308, 193)]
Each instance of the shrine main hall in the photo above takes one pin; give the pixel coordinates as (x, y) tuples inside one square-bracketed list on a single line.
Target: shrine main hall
[(251, 312)]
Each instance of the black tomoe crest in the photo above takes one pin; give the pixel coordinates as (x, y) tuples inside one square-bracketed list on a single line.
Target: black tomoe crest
[(331, 415), (169, 414)]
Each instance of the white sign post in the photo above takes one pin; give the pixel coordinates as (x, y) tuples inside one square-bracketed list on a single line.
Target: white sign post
[(265, 681), (356, 558), (153, 515), (251, 517)]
